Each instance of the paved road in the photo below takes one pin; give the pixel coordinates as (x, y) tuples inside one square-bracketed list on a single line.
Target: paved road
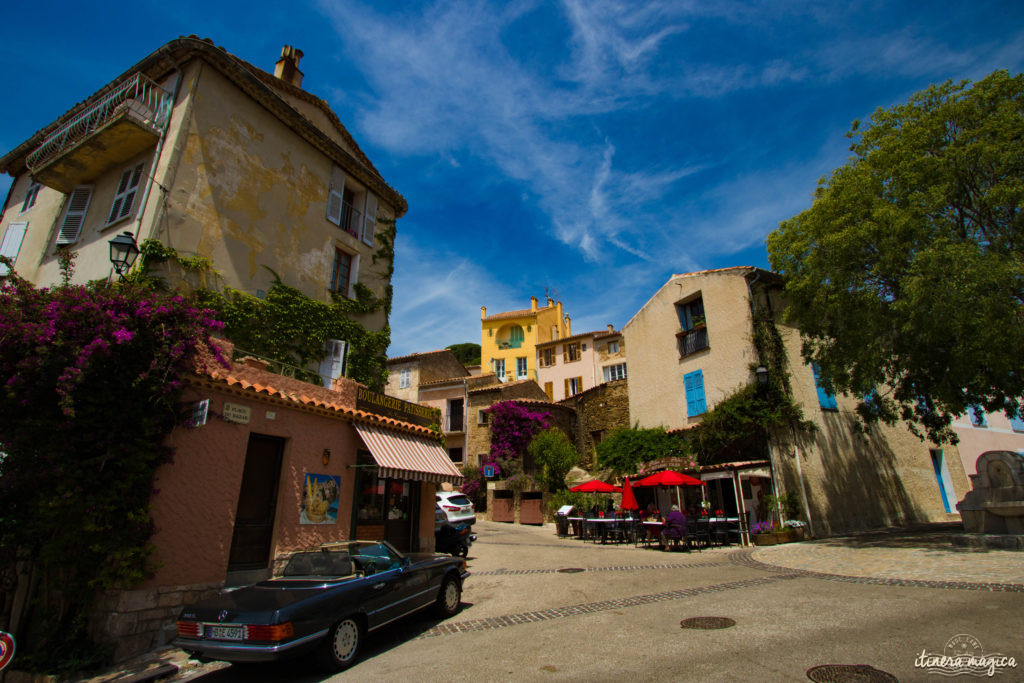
[(872, 599)]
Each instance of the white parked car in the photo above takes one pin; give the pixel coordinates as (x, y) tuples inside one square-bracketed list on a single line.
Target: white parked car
[(457, 507)]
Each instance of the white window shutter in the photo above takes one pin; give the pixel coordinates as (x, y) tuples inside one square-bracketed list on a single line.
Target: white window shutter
[(126, 191), (370, 220), (74, 215), (334, 205), (12, 244), (333, 364)]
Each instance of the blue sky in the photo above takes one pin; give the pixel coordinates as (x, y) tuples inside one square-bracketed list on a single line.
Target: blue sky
[(589, 148)]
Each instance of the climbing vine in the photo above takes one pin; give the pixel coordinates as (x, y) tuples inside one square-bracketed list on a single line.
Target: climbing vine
[(92, 377), (291, 328)]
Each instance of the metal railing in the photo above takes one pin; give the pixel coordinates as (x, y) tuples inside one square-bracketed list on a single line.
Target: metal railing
[(693, 340), (149, 102), (351, 220)]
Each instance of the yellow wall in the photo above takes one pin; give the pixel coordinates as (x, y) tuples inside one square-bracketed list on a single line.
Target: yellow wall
[(537, 325)]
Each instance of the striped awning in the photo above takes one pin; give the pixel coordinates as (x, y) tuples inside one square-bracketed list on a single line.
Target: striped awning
[(404, 456)]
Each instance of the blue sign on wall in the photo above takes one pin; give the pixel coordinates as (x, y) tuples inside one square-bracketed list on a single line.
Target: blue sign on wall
[(488, 471)]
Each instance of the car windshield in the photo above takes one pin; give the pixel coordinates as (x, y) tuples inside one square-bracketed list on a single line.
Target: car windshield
[(370, 557)]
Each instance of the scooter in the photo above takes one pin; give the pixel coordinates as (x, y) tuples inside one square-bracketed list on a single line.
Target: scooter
[(454, 539)]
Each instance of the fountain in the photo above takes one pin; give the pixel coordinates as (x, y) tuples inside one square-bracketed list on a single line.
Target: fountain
[(993, 510)]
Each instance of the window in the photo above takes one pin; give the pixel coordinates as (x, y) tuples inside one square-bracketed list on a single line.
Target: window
[(455, 415), (549, 389), (342, 211), (573, 386), (521, 367), (613, 347), (499, 368), (11, 244), (826, 399), (341, 274), (693, 383), (404, 378), (455, 454), (125, 197), (30, 197), (612, 372), (691, 314), (74, 214), (481, 417), (943, 479), (977, 414), (516, 337), (332, 365), (571, 352), (547, 357)]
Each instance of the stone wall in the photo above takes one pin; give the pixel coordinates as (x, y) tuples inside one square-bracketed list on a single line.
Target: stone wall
[(137, 621), (598, 411)]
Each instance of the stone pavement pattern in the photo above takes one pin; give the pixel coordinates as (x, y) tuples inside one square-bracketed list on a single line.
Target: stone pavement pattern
[(795, 606)]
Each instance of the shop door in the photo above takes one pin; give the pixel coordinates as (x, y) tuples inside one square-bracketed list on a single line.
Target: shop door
[(257, 502), (403, 513)]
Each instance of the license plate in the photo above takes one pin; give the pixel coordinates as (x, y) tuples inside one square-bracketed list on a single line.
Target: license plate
[(225, 632)]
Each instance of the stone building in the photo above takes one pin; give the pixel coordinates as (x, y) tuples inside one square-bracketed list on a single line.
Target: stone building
[(691, 347), (599, 411), (508, 340), (215, 158)]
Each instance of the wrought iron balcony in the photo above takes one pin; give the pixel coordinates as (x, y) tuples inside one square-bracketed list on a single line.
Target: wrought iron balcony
[(123, 123), (692, 340)]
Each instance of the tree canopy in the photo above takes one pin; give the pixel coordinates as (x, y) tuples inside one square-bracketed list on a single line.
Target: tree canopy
[(468, 353), (626, 448), (906, 275), (553, 456)]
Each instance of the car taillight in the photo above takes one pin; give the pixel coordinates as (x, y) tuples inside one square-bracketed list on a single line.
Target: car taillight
[(269, 631), (453, 508), (190, 629)]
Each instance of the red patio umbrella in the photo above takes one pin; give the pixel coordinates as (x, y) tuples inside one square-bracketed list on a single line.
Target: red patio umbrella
[(596, 486), (671, 478), (628, 499)]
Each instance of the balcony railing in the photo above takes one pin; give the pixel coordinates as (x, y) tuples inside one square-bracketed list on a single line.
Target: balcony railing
[(692, 340), (351, 220), (146, 101)]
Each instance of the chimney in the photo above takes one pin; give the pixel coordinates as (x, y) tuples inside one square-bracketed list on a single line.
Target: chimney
[(611, 328), (287, 68), (533, 303), (551, 302), (483, 312), (568, 326)]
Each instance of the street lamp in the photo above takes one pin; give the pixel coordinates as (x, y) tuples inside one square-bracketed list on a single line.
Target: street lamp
[(762, 375), (123, 252)]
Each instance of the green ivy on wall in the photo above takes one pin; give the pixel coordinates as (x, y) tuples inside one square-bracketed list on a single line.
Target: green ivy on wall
[(290, 327)]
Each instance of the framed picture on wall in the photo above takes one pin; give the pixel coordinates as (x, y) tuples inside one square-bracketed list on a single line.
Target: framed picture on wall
[(320, 499)]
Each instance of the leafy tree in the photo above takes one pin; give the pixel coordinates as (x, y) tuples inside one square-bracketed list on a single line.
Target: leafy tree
[(468, 353), (625, 449), (906, 275), (553, 456)]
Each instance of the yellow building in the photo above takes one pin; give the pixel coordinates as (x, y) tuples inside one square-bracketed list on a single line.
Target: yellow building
[(508, 341)]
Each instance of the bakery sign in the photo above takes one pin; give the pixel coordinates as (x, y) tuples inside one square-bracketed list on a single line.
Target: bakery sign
[(389, 406)]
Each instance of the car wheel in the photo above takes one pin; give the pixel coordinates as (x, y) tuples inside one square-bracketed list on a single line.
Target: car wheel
[(450, 598), (341, 648)]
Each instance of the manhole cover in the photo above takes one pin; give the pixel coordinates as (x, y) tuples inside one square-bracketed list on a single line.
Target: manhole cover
[(707, 622), (572, 570), (849, 673)]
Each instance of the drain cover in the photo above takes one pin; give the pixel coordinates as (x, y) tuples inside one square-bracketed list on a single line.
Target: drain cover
[(707, 622), (849, 673), (572, 570)]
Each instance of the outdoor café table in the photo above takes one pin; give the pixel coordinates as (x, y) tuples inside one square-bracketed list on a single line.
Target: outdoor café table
[(732, 525), (601, 526), (652, 531)]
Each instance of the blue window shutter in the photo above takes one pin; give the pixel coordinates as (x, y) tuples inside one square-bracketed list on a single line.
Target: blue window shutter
[(696, 404), (1017, 424), (826, 400), (977, 416)]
